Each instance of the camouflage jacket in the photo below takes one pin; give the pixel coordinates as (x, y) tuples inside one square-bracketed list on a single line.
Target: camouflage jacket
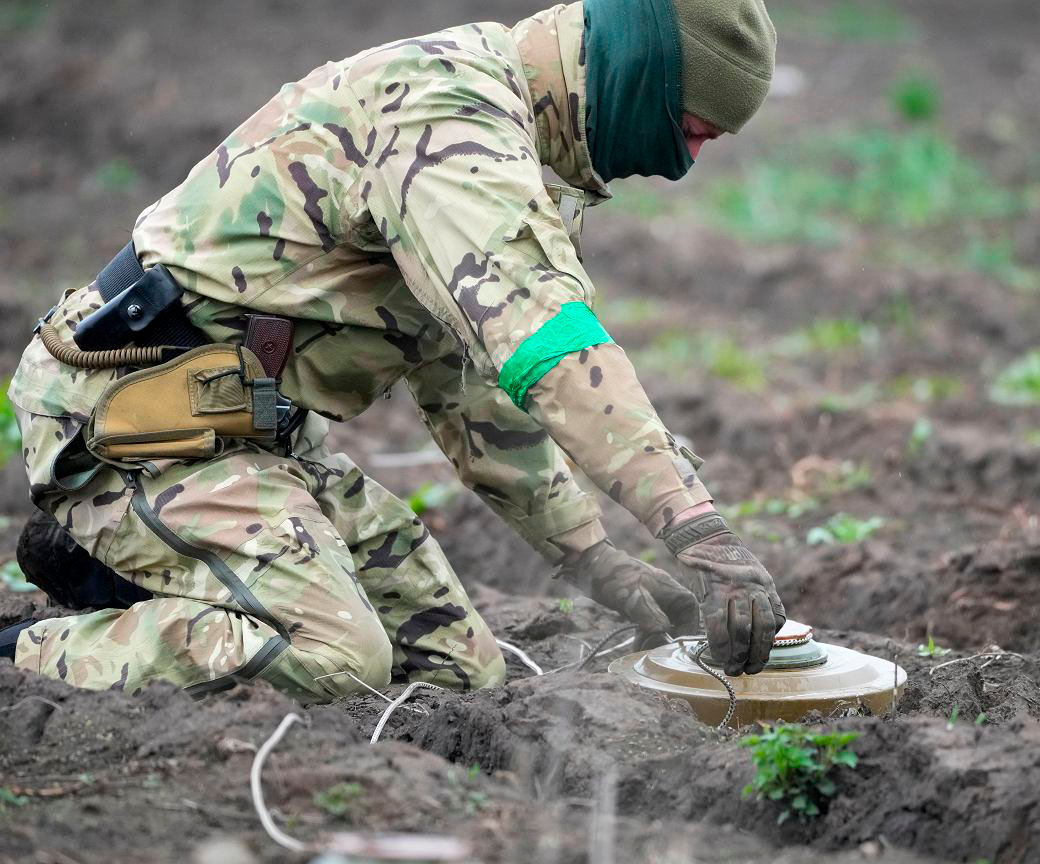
[(393, 204)]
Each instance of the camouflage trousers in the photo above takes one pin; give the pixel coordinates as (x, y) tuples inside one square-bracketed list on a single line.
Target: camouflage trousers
[(300, 571)]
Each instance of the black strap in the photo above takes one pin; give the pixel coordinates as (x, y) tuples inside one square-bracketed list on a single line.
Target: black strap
[(120, 273), (172, 328)]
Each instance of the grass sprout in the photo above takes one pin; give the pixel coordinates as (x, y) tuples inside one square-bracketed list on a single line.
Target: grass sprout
[(842, 528), (915, 98), (932, 649), (1019, 383)]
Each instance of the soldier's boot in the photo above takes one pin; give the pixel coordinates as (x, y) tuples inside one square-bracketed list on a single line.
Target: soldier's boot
[(54, 562), (9, 637)]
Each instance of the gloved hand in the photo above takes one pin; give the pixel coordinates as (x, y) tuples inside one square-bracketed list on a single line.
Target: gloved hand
[(643, 594), (739, 604)]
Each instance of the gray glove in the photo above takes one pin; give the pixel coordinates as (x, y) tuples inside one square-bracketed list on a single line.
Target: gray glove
[(643, 594), (739, 604)]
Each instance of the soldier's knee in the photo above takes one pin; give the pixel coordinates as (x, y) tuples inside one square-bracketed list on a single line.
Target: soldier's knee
[(368, 659)]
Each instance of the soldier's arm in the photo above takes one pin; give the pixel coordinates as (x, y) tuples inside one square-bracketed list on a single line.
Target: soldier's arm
[(507, 458), (459, 198)]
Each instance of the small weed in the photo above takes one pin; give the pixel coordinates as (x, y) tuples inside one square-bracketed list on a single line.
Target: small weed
[(828, 335), (932, 649), (792, 508), (823, 190), (20, 15), (832, 478), (792, 767), (1019, 384), (954, 714), (473, 772), (915, 98), (843, 528), (933, 388), (475, 801), (837, 403), (718, 354), (340, 799), (639, 199), (10, 437), (980, 720), (9, 799), (116, 175), (430, 496), (920, 433), (566, 607), (13, 579), (630, 311), (847, 20), (997, 259)]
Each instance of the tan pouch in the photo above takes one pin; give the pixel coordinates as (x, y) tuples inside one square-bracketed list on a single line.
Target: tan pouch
[(180, 409)]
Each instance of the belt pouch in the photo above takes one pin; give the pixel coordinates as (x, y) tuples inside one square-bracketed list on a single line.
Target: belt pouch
[(179, 409)]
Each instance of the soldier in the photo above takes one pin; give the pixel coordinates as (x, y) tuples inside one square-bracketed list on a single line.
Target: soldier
[(392, 207)]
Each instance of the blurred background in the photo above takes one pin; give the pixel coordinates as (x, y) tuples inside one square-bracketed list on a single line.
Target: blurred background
[(839, 307)]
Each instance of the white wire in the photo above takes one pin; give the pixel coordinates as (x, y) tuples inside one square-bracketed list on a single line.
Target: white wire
[(527, 661), (602, 653), (400, 700), (273, 831)]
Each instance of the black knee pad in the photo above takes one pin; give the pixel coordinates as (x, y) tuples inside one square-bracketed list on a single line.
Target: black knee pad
[(55, 563)]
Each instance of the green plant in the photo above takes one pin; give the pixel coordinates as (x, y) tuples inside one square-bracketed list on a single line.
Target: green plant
[(639, 199), (997, 259), (846, 20), (339, 799), (18, 15), (915, 98), (719, 354), (1019, 383), (836, 403), (793, 767), (827, 335), (12, 577), (430, 496), (931, 388), (8, 798), (116, 175), (792, 508), (932, 649), (920, 432), (843, 528), (821, 190), (10, 437), (566, 606)]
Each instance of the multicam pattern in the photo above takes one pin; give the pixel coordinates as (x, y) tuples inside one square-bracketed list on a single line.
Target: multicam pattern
[(392, 204), (297, 572)]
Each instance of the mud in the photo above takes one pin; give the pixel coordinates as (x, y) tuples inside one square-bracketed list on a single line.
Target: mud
[(102, 113)]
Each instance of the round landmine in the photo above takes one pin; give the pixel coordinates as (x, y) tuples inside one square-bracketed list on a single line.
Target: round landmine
[(802, 675)]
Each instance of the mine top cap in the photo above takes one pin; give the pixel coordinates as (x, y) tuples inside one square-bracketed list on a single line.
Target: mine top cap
[(793, 633)]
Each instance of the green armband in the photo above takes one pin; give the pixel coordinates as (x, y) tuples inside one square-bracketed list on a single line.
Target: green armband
[(573, 328)]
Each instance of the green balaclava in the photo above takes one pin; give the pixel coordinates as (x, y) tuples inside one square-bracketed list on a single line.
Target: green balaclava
[(713, 58)]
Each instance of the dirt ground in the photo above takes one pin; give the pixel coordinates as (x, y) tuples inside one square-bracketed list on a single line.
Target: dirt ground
[(102, 112)]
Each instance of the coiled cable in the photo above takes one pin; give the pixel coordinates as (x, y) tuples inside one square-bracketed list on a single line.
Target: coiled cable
[(71, 355)]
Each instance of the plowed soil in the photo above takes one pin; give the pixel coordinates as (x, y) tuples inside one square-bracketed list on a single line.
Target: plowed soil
[(102, 112)]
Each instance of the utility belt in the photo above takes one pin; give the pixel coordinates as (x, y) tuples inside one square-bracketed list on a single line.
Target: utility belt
[(187, 392)]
